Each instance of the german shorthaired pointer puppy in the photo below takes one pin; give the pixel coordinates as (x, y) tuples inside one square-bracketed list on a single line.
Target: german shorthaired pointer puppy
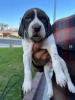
[(35, 26)]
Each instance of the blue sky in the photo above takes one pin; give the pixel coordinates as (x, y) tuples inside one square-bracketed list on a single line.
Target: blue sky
[(12, 10)]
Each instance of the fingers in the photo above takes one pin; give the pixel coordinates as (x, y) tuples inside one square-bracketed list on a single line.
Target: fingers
[(45, 56), (37, 45), (39, 54)]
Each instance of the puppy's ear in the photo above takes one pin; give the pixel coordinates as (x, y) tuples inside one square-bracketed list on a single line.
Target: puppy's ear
[(21, 28), (49, 30)]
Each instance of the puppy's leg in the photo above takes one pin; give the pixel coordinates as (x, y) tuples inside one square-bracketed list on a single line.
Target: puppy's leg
[(27, 59), (50, 45), (47, 69), (60, 76), (71, 87), (27, 73)]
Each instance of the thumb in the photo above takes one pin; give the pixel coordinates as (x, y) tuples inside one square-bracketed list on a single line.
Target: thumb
[(37, 45)]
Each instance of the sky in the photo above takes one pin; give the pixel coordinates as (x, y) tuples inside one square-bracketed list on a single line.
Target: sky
[(11, 11)]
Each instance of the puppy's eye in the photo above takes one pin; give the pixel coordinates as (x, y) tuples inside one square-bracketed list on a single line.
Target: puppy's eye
[(43, 19), (28, 18)]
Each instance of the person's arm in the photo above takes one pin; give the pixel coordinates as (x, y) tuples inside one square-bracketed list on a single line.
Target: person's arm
[(40, 57)]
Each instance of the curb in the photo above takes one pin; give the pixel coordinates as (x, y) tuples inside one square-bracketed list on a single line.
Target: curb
[(38, 85)]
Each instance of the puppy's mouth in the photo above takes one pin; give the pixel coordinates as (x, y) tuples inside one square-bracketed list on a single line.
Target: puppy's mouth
[(36, 38)]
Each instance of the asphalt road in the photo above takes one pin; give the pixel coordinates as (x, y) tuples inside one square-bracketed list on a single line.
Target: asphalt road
[(12, 41)]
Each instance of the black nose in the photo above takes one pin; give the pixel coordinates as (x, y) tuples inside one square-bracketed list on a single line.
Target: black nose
[(36, 28)]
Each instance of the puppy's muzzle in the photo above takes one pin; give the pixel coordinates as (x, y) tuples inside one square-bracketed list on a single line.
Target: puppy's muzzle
[(36, 37), (36, 27)]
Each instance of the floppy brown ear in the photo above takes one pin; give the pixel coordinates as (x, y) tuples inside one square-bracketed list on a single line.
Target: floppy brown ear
[(49, 30), (21, 29)]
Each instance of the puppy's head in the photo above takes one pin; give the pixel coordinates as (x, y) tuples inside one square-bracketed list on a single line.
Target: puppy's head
[(35, 25)]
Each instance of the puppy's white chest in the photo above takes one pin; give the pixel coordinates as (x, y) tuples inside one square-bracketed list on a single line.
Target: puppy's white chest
[(50, 41)]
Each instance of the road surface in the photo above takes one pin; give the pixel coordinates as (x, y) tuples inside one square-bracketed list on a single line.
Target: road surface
[(13, 42)]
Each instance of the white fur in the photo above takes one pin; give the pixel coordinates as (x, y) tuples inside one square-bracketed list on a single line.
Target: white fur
[(27, 59), (58, 63)]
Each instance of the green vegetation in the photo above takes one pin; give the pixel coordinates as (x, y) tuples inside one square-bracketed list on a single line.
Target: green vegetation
[(2, 25), (11, 62)]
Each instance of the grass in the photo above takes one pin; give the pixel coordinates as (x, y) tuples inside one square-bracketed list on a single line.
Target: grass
[(11, 62)]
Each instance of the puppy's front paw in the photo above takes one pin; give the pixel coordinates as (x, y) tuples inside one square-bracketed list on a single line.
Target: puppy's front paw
[(27, 87), (50, 93), (71, 87), (61, 79)]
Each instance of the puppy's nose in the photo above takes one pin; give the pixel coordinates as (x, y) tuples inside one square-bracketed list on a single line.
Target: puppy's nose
[(36, 28)]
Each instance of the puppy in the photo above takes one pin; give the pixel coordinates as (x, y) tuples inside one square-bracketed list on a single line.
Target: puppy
[(35, 26)]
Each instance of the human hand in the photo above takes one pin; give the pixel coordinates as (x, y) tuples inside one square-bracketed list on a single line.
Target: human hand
[(40, 56)]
